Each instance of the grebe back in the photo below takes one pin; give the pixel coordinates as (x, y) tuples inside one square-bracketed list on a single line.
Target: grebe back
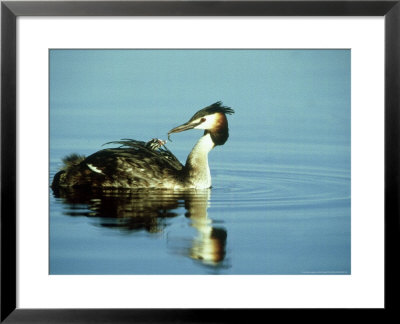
[(137, 164)]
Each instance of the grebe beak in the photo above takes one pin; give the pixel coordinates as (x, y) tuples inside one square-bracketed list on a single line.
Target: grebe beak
[(186, 126)]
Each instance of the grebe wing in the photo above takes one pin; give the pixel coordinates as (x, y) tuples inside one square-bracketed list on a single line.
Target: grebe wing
[(131, 165), (154, 148)]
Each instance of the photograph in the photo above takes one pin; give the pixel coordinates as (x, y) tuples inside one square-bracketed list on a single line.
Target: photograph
[(199, 161)]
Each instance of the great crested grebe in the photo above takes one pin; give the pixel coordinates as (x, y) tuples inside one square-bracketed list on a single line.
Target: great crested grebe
[(136, 164)]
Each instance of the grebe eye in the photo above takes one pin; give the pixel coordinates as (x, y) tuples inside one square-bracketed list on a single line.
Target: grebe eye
[(202, 120)]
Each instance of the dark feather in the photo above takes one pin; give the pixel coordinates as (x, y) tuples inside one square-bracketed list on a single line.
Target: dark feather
[(162, 152), (72, 160), (212, 109)]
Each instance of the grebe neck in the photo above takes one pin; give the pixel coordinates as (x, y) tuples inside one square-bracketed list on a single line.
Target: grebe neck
[(198, 171)]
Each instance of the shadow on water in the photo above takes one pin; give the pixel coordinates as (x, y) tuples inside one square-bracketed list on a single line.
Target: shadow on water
[(149, 210)]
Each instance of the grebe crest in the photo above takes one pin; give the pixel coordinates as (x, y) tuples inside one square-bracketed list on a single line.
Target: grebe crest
[(137, 164)]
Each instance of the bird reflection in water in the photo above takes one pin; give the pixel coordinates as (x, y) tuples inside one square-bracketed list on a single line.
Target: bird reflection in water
[(133, 210), (209, 244)]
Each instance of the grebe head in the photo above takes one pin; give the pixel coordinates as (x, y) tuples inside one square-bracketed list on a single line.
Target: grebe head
[(212, 119)]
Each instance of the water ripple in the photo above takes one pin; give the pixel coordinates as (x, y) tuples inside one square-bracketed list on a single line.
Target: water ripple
[(278, 187)]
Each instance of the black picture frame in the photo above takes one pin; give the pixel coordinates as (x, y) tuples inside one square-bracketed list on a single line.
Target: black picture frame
[(10, 10)]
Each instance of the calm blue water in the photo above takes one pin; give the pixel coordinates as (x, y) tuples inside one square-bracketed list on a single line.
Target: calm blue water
[(280, 202)]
